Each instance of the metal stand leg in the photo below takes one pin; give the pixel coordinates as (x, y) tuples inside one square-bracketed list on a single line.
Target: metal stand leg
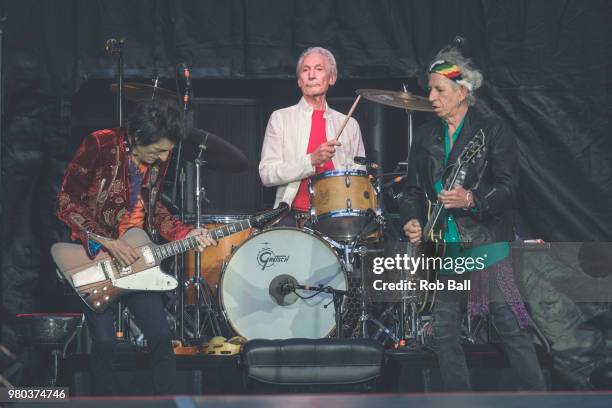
[(365, 317), (203, 294)]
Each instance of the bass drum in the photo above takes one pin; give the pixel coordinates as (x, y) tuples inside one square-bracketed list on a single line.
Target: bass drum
[(254, 294)]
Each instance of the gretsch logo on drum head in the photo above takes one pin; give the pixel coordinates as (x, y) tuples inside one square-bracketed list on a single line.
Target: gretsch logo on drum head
[(266, 257)]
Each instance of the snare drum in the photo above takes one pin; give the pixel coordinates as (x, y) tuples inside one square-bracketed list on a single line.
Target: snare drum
[(252, 299), (340, 201)]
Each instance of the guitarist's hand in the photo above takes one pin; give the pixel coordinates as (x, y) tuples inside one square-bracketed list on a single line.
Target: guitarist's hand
[(121, 251), (203, 237), (458, 197), (413, 230)]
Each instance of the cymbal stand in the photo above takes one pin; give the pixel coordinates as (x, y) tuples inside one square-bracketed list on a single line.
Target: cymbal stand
[(408, 317), (410, 126), (350, 250), (203, 293), (408, 308), (362, 251)]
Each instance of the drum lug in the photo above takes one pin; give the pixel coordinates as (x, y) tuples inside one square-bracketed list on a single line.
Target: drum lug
[(313, 215), (310, 189), (347, 181), (349, 204)]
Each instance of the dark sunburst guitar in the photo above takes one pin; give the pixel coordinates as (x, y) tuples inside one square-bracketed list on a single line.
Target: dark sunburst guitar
[(432, 239)]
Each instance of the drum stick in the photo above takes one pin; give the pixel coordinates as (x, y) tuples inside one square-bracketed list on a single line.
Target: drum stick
[(348, 116)]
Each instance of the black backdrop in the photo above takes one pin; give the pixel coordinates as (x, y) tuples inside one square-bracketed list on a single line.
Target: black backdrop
[(546, 65)]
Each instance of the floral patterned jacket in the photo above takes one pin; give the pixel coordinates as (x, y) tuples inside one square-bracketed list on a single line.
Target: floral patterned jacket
[(95, 192)]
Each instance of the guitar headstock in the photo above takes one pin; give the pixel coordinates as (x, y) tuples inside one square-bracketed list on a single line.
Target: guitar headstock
[(473, 148)]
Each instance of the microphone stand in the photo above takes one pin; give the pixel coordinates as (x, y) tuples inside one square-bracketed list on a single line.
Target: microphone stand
[(338, 298), (114, 47)]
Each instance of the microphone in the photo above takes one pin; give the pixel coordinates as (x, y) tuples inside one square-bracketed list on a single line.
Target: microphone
[(110, 45), (393, 181), (113, 46), (363, 161), (281, 288), (286, 288), (370, 164)]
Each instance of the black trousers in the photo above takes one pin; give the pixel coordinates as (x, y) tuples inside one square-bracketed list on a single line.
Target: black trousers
[(150, 316)]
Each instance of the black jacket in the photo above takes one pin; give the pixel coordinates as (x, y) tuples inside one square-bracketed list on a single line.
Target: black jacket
[(492, 177)]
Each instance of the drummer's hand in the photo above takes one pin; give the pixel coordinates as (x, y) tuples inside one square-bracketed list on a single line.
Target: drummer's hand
[(324, 152), (121, 251), (412, 230), (203, 237)]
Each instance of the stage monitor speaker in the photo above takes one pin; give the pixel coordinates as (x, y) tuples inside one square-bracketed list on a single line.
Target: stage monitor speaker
[(312, 365)]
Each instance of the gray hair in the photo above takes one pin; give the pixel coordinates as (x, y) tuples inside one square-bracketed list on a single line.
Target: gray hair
[(333, 68), (471, 77)]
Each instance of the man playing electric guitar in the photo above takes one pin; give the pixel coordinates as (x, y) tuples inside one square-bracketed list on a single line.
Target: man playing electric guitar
[(476, 216), (111, 185)]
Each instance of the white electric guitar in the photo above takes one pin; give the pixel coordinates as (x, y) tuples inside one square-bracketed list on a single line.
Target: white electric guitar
[(102, 280)]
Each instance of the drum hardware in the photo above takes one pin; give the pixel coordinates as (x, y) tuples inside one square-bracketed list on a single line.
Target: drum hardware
[(362, 251), (408, 311), (220, 155), (384, 334), (283, 285), (349, 250), (408, 317), (338, 299), (203, 294)]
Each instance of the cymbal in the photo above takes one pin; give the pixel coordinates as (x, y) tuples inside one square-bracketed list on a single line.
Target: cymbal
[(219, 154), (136, 92), (401, 99)]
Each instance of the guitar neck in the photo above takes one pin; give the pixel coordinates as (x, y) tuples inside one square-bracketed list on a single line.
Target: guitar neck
[(173, 248), (432, 221), (434, 215)]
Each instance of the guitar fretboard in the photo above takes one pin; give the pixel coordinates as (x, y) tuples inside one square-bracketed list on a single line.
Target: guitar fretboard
[(182, 245)]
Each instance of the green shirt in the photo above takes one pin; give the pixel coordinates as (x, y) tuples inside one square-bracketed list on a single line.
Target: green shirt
[(491, 253)]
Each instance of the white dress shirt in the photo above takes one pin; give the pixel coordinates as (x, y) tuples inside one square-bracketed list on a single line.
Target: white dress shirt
[(284, 161)]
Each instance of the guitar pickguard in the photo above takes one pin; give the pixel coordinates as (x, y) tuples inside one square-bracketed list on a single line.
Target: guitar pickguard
[(151, 279)]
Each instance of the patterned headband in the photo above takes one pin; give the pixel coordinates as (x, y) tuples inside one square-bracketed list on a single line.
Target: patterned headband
[(450, 71)]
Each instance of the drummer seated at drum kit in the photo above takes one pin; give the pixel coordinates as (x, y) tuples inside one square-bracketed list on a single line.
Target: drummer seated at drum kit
[(300, 140)]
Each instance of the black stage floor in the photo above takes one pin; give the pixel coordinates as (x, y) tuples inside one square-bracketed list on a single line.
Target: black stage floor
[(497, 400), (407, 371)]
